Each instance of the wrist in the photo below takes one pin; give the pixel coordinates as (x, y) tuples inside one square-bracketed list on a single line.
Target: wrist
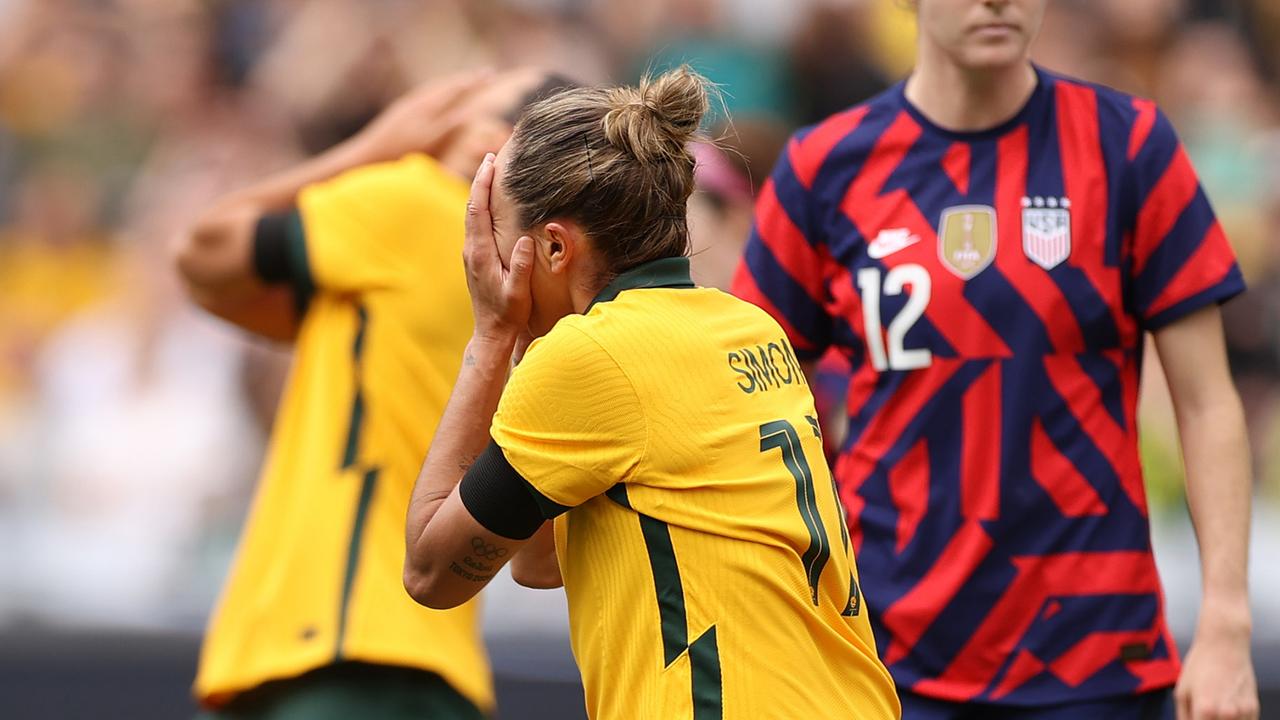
[(1227, 613), (490, 349), (496, 335)]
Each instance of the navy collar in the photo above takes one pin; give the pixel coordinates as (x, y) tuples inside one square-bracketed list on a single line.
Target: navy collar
[(672, 272), (1045, 82)]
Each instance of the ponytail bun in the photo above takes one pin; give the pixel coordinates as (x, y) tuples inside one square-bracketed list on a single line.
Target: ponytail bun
[(654, 121)]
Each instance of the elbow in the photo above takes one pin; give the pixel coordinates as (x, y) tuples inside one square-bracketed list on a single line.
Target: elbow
[(425, 587), (211, 255), (196, 251)]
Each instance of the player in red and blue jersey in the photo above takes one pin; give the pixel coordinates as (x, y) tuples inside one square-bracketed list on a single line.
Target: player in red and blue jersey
[(987, 245)]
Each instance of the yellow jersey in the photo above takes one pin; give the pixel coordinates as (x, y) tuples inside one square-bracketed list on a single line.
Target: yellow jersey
[(706, 561), (318, 574)]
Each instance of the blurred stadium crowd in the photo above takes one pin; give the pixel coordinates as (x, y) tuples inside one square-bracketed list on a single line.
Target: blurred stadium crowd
[(131, 426)]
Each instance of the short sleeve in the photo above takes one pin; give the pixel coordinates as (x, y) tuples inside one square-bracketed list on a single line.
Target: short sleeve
[(782, 268), (1180, 259), (369, 227), (569, 420)]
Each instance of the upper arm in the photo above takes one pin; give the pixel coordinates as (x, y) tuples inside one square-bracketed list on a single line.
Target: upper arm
[(486, 519), (570, 421), (466, 554), (371, 227), (783, 269), (568, 427), (1193, 355), (1180, 260)]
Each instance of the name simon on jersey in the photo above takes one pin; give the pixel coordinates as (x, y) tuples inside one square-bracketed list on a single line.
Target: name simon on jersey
[(766, 367)]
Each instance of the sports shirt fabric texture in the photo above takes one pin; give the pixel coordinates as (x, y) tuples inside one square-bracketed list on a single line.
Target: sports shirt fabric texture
[(318, 574), (703, 550), (991, 291)]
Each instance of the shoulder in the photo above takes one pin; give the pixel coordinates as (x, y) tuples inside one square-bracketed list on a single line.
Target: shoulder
[(1136, 120), (415, 181), (570, 349), (568, 374)]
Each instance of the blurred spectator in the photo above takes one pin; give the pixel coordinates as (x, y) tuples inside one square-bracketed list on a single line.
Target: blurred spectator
[(832, 60), (141, 425)]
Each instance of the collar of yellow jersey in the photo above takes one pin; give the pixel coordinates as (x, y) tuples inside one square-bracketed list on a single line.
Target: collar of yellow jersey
[(670, 272)]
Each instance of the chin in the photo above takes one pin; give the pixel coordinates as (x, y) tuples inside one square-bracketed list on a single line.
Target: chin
[(994, 57)]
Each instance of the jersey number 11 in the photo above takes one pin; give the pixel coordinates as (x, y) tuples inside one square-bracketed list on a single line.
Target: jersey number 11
[(782, 435)]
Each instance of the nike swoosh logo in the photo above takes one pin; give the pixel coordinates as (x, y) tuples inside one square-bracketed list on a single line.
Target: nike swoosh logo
[(889, 242)]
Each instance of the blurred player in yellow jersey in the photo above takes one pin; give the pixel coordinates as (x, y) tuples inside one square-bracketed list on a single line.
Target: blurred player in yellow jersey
[(352, 256), (667, 428)]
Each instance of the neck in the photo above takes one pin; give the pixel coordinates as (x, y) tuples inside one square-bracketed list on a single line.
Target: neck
[(968, 100), (581, 295)]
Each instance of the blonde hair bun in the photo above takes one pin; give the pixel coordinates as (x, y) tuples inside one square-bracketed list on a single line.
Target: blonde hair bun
[(654, 121)]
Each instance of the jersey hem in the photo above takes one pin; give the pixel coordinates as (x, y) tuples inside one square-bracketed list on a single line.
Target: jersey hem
[(1073, 698)]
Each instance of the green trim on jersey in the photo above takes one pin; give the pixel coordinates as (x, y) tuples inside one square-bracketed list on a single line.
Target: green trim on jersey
[(353, 556), (704, 653), (704, 667), (665, 273), (666, 577), (352, 447)]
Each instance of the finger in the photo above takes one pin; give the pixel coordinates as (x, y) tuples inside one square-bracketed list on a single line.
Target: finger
[(480, 248), (1183, 704), (479, 223), (521, 268)]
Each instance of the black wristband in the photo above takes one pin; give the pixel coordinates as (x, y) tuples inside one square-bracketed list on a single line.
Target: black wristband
[(271, 249), (280, 255), (502, 501)]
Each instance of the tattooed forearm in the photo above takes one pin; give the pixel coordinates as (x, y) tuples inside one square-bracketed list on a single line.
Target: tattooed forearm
[(482, 563), (460, 571)]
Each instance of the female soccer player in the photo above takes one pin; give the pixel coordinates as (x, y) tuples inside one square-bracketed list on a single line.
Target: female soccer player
[(337, 254), (667, 427), (988, 243)]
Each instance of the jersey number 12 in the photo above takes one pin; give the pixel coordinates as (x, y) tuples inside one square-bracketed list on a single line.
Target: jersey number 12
[(897, 357), (782, 435)]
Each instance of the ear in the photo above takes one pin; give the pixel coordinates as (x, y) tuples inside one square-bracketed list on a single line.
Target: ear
[(559, 244)]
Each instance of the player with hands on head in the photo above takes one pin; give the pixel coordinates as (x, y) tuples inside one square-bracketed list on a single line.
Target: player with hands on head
[(699, 536), (341, 255), (989, 244)]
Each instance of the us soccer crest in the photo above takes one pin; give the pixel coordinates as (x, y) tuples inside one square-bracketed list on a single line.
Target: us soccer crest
[(967, 239), (1046, 230)]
